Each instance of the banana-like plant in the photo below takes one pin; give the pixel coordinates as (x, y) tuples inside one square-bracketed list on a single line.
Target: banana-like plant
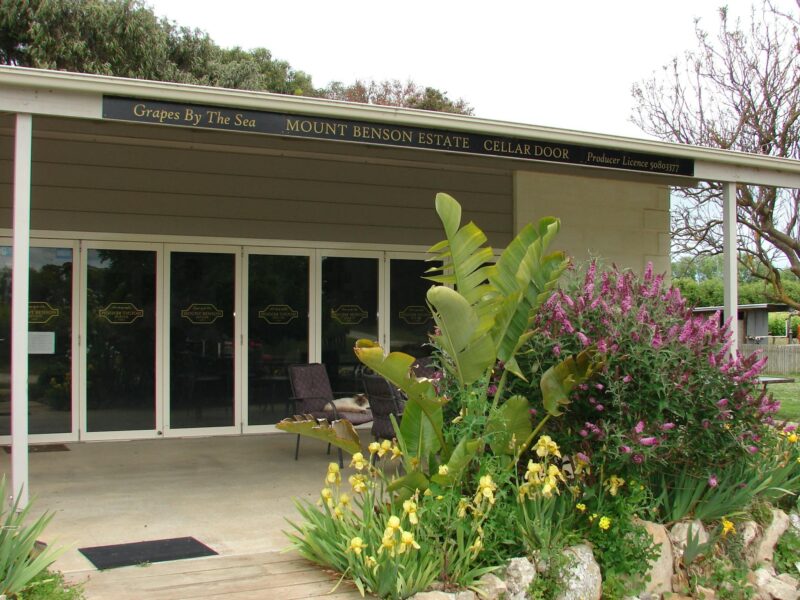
[(483, 314)]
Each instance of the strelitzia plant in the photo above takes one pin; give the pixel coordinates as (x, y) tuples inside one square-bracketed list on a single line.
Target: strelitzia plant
[(483, 313)]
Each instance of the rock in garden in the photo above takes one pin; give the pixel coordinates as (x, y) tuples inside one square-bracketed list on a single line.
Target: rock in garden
[(788, 579), (770, 586), (582, 578), (766, 546), (704, 593), (433, 595), (794, 519), (491, 587), (660, 572), (466, 595), (679, 534), (749, 533), (519, 575)]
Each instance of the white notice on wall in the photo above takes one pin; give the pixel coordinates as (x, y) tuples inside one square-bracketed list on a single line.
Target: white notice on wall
[(41, 342)]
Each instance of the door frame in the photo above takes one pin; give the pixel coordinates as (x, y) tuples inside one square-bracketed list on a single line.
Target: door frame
[(159, 361), (236, 428)]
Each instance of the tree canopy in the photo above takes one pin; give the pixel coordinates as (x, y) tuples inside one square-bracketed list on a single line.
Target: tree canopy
[(125, 38), (737, 90)]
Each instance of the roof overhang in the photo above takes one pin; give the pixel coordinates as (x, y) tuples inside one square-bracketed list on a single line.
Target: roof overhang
[(75, 95)]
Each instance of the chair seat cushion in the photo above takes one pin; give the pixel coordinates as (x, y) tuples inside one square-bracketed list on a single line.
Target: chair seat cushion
[(356, 418)]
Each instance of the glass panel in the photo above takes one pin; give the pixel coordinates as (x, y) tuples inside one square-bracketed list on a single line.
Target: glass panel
[(49, 341), (411, 319), (349, 312), (201, 339), (277, 330), (121, 340)]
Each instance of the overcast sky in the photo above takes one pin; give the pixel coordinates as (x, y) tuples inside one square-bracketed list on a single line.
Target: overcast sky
[(568, 64)]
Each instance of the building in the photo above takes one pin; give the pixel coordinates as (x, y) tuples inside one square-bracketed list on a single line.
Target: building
[(187, 243)]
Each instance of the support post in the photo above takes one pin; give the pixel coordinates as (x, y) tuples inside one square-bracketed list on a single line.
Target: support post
[(23, 141), (729, 253)]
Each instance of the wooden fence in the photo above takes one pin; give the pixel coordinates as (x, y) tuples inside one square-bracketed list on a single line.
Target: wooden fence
[(781, 360)]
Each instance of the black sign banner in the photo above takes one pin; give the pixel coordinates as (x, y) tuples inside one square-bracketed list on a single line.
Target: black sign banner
[(385, 134)]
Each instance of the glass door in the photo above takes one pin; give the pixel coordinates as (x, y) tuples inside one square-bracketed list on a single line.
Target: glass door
[(278, 318), (121, 333), (410, 320), (50, 342), (349, 311), (202, 334)]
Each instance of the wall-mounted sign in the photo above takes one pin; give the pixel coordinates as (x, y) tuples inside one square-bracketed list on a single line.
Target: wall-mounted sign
[(201, 314), (41, 312), (415, 314), (278, 314), (349, 314), (120, 313), (387, 134)]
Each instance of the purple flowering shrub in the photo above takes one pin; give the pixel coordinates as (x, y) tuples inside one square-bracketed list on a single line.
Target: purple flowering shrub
[(669, 398)]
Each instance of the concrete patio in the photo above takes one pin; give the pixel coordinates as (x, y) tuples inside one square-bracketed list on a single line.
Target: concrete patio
[(234, 494)]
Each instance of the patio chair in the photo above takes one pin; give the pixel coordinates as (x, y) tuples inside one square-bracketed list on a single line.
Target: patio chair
[(312, 395), (384, 400)]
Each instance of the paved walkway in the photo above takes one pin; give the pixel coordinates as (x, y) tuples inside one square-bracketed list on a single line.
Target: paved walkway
[(265, 575)]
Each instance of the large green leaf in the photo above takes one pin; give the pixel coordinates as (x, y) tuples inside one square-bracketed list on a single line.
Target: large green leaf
[(416, 480), (466, 262), (420, 431), (463, 337), (338, 433), (559, 380), (462, 455), (509, 425)]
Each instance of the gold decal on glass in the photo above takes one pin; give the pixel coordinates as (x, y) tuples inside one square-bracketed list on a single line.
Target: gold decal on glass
[(41, 312), (415, 314), (120, 313), (278, 314), (201, 314), (349, 314)]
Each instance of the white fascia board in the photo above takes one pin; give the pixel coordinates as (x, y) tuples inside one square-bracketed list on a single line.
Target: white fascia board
[(84, 93), (52, 102)]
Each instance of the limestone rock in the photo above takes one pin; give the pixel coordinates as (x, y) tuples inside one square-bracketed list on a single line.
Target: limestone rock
[(519, 575), (660, 572), (794, 519), (466, 595), (679, 535), (433, 595), (582, 578), (491, 587), (786, 578), (770, 586), (704, 593), (765, 548), (749, 531)]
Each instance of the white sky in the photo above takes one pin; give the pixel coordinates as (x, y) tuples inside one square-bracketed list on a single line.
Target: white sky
[(568, 64)]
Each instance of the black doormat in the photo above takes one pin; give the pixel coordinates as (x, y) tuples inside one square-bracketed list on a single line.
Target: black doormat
[(41, 448), (125, 555)]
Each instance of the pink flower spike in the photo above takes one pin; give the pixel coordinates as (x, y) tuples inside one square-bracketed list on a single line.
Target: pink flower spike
[(583, 433), (627, 379), (722, 403), (582, 457), (667, 426), (625, 449), (599, 408), (752, 449), (639, 428), (638, 459), (790, 428), (649, 441), (712, 481)]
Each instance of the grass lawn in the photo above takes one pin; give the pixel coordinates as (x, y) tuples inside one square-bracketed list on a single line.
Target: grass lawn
[(789, 396)]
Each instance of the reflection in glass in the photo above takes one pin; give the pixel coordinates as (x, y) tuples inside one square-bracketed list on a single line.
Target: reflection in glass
[(411, 319), (50, 327), (121, 340), (349, 312), (201, 339), (277, 332)]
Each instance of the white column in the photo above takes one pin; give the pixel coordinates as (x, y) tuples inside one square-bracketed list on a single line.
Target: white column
[(729, 252), (19, 308)]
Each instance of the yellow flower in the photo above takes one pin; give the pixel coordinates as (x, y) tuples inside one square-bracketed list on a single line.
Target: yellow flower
[(370, 561), (593, 517), (359, 462), (427, 492), (356, 545), (386, 446), (486, 489), (344, 500), (463, 504), (333, 477), (547, 490), (327, 496), (581, 506), (613, 484), (358, 483), (545, 446), (444, 469), (374, 447), (338, 513), (476, 546), (392, 525), (407, 542), (396, 452), (727, 527), (534, 472), (604, 523), (387, 543), (410, 509), (440, 497), (792, 438), (414, 462)]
